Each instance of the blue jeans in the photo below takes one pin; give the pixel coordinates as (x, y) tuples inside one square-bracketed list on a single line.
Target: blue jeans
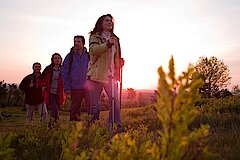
[(95, 90)]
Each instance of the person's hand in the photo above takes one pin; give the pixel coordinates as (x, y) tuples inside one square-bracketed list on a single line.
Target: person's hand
[(44, 88), (31, 84), (112, 40)]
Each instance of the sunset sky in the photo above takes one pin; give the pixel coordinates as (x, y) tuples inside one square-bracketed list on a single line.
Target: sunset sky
[(150, 31)]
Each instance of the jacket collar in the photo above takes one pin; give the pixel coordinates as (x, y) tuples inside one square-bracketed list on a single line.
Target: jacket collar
[(98, 35)]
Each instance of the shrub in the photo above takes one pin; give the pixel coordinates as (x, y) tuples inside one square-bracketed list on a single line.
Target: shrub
[(39, 142), (6, 152), (175, 110)]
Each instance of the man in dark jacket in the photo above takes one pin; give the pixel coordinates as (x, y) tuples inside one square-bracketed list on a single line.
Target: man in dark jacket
[(74, 73), (33, 93)]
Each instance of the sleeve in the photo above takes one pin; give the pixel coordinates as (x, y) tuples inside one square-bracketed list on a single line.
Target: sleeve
[(65, 73), (95, 48), (119, 61), (24, 84), (117, 58)]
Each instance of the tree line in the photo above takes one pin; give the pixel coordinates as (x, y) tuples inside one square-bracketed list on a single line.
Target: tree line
[(10, 95), (214, 73)]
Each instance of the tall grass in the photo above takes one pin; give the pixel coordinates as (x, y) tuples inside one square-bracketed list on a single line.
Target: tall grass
[(223, 117)]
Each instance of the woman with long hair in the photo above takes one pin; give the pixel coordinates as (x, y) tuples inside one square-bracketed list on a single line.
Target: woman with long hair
[(52, 78), (104, 68)]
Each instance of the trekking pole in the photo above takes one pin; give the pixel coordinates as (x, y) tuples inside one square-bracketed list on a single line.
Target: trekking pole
[(43, 103), (112, 83), (43, 93), (121, 87)]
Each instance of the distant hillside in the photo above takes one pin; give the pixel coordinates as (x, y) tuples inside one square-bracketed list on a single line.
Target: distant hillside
[(145, 98), (140, 90), (145, 92)]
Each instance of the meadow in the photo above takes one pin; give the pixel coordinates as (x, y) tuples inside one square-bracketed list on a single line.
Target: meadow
[(179, 126), (37, 141)]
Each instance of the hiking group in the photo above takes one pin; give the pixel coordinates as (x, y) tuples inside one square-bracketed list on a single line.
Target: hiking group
[(81, 75)]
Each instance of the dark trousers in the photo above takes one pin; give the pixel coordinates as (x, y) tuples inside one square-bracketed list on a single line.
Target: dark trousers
[(77, 96), (54, 105)]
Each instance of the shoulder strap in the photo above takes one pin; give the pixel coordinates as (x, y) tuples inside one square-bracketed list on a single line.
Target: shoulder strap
[(32, 77), (70, 58)]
